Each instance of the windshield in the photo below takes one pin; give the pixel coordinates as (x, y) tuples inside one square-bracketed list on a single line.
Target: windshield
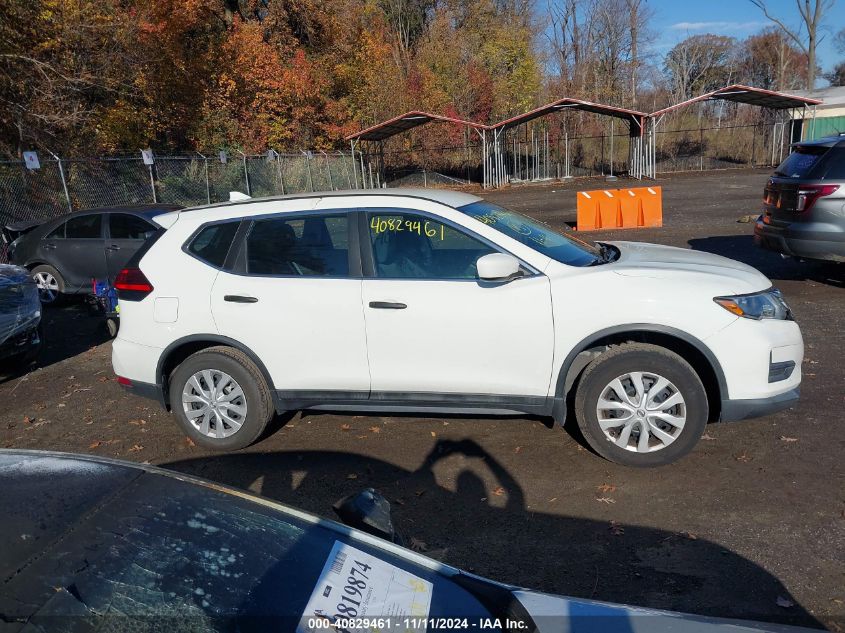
[(542, 238), (799, 163)]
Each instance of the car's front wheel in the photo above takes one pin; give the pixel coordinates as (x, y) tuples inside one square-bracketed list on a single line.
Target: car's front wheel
[(50, 283), (220, 398), (641, 405)]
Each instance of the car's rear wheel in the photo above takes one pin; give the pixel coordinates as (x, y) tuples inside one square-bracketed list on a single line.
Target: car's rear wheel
[(220, 398), (641, 405), (50, 283)]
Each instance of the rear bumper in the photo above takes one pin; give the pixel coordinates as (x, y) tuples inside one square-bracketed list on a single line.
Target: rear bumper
[(799, 241), (735, 410)]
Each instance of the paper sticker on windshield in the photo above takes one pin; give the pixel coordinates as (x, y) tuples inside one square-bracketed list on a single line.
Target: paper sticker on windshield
[(358, 592)]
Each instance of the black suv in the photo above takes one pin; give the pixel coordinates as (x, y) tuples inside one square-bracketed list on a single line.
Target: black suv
[(804, 202)]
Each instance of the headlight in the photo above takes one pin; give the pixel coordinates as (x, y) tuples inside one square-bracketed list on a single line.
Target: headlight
[(768, 304)]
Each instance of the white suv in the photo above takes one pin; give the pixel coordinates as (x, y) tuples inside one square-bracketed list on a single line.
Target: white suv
[(437, 301)]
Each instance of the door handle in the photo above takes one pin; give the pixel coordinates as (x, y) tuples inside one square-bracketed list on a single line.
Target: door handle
[(113, 247), (50, 246), (240, 299), (387, 305)]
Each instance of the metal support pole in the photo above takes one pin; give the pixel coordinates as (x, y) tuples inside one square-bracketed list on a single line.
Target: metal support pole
[(246, 175), (64, 182), (354, 168), (308, 169), (281, 172), (611, 148), (153, 184), (329, 171)]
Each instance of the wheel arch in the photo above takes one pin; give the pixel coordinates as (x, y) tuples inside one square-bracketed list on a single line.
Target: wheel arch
[(690, 348), (182, 348)]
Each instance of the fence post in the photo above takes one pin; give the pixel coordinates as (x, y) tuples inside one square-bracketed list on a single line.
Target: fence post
[(281, 172), (207, 183), (308, 168), (700, 149), (246, 174), (64, 182), (329, 171)]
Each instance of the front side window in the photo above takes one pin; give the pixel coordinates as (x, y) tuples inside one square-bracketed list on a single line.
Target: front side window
[(301, 246), (129, 227), (56, 233), (84, 227), (542, 238), (408, 245), (212, 243)]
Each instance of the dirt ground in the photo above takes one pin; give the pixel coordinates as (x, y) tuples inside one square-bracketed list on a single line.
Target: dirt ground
[(750, 525)]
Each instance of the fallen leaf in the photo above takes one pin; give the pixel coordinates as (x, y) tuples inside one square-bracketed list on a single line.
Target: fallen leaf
[(606, 488), (784, 438), (433, 434), (553, 499), (518, 449), (605, 500), (352, 476), (743, 457), (417, 545), (375, 429), (689, 535), (61, 405), (137, 422), (345, 427), (616, 529), (95, 444), (399, 502), (420, 493), (135, 448), (27, 419), (786, 603), (499, 491), (707, 436), (189, 441)]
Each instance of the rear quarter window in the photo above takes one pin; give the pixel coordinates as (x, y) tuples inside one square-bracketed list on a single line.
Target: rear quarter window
[(212, 243), (801, 162), (836, 164)]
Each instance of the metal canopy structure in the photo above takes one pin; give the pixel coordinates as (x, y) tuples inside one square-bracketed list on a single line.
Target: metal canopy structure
[(497, 169), (780, 102), (642, 129), (391, 127)]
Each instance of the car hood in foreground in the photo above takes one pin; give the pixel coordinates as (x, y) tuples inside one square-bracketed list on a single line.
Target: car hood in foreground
[(93, 544), (638, 259)]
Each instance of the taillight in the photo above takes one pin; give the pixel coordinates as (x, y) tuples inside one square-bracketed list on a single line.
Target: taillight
[(133, 283), (808, 194)]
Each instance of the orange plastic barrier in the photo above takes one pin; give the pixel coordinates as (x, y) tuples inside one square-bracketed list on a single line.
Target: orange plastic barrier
[(620, 208)]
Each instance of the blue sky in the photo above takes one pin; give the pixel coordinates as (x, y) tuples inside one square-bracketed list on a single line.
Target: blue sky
[(676, 19)]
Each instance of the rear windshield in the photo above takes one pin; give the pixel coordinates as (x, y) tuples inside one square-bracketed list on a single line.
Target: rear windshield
[(799, 163)]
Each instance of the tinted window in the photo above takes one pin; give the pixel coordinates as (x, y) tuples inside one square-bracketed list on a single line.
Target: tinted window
[(212, 243), (84, 227), (57, 232), (412, 246), (540, 237), (129, 227), (799, 163), (312, 246), (836, 164)]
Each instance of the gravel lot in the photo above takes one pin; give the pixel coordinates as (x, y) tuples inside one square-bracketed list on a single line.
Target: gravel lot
[(750, 525)]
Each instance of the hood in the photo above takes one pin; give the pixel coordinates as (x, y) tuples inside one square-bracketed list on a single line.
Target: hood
[(659, 262)]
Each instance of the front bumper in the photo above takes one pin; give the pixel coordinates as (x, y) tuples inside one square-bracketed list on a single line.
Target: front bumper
[(736, 410), (800, 241), (25, 342)]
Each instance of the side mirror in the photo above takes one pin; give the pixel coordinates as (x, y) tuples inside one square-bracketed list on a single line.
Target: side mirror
[(369, 512), (497, 267)]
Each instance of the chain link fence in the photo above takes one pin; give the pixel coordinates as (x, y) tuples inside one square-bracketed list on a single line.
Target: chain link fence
[(62, 185)]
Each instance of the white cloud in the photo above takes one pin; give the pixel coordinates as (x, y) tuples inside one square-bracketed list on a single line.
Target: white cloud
[(717, 26)]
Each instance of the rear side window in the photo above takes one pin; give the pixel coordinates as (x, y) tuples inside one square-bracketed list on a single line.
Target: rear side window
[(129, 227), (212, 243), (309, 246), (801, 161), (836, 164), (84, 227)]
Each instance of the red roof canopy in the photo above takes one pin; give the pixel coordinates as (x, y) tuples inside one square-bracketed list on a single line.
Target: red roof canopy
[(405, 122), (747, 94), (632, 116)]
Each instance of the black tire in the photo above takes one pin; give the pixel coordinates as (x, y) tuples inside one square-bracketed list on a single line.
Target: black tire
[(641, 357), (256, 393), (60, 282)]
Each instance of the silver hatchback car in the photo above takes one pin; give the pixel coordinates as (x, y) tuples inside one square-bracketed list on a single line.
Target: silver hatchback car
[(804, 202)]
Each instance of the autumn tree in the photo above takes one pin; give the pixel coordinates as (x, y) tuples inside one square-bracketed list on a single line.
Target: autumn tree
[(700, 63)]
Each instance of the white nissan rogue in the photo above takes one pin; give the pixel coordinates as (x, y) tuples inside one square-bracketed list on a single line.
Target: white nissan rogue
[(437, 301)]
